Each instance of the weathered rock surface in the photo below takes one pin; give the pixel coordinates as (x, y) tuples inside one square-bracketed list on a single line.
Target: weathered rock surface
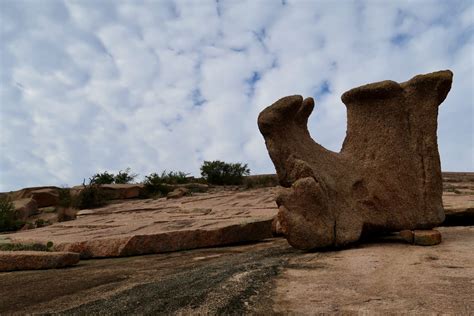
[(153, 226), (45, 197), (264, 278), (387, 176), (458, 198), (25, 208), (26, 192), (35, 260), (428, 237), (177, 193), (115, 191), (381, 279)]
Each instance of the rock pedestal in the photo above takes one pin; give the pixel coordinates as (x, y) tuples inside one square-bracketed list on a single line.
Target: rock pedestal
[(387, 176)]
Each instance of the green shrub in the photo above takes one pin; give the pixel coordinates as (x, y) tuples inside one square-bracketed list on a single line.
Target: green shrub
[(223, 173), (65, 198), (155, 185), (102, 178), (124, 177), (174, 177), (91, 196), (8, 221)]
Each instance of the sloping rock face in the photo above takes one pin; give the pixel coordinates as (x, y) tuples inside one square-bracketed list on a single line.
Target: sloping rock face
[(44, 196), (387, 176), (115, 191), (35, 260), (24, 208), (162, 225)]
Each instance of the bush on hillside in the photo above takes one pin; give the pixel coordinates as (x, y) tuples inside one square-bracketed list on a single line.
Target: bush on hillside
[(174, 177), (158, 184), (91, 196), (223, 173), (8, 222), (124, 177), (102, 178)]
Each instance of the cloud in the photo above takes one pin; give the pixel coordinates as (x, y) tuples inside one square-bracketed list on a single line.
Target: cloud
[(88, 86)]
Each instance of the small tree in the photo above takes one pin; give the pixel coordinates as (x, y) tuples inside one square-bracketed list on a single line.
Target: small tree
[(154, 185), (174, 177), (223, 173), (90, 196), (124, 177), (102, 178), (7, 215)]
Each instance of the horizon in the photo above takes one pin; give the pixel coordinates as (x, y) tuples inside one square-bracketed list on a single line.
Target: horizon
[(95, 86)]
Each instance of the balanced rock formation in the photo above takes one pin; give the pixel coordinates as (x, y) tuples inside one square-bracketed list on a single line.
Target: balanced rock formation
[(387, 176)]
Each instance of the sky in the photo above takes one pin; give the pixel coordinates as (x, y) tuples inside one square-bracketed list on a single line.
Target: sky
[(93, 86)]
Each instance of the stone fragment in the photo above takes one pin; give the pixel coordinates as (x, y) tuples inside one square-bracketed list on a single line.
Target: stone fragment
[(407, 235), (276, 227), (25, 208), (177, 193), (387, 176), (34, 260), (426, 237)]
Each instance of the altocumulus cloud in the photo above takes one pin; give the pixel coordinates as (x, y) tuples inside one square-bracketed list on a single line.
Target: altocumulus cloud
[(88, 86)]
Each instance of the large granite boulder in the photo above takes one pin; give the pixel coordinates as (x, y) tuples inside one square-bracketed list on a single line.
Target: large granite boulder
[(387, 176)]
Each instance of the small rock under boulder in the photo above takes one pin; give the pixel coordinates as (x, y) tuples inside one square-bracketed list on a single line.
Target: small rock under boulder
[(429, 237)]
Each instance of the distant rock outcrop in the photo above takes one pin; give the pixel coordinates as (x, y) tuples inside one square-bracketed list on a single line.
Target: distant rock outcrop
[(387, 176)]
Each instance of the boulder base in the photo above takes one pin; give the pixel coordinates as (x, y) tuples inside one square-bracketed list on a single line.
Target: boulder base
[(35, 260)]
